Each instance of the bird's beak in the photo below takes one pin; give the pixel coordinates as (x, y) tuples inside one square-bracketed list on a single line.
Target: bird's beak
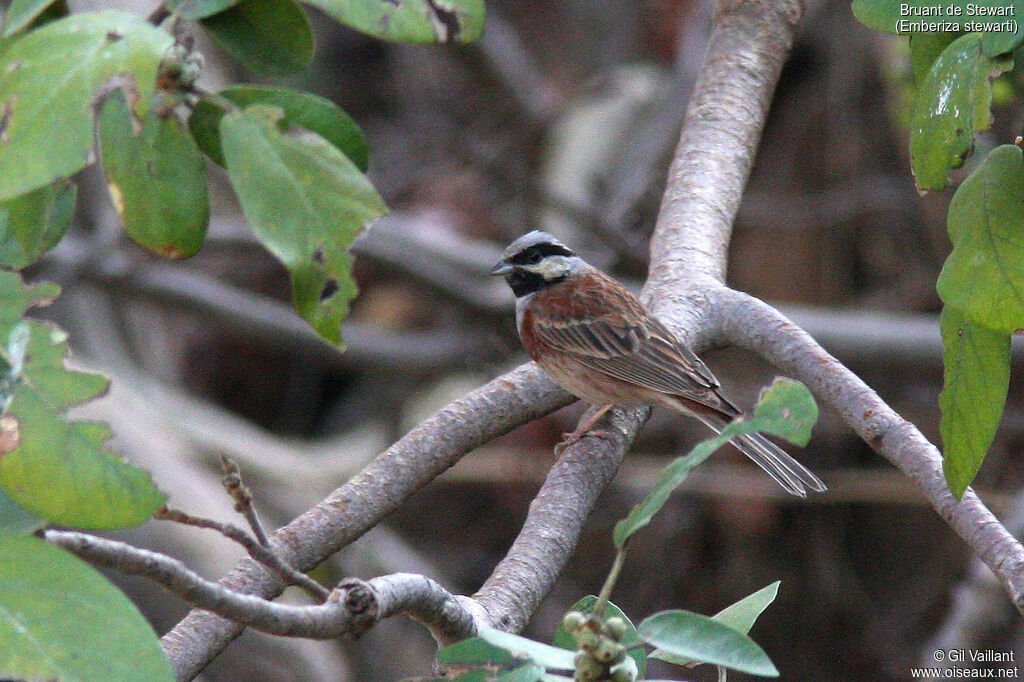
[(503, 267)]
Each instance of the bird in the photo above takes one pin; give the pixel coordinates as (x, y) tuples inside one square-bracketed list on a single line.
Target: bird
[(599, 342)]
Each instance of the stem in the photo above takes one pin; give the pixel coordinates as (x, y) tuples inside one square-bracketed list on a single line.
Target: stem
[(609, 582), (218, 99), (158, 15)]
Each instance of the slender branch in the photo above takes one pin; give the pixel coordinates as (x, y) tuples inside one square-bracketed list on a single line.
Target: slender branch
[(240, 493), (220, 100), (261, 552), (353, 607), (490, 411), (751, 323)]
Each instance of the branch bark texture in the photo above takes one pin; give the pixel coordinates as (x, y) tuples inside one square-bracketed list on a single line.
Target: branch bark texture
[(421, 455), (350, 610), (753, 324)]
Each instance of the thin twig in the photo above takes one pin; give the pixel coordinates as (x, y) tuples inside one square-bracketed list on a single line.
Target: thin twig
[(220, 100), (260, 552), (240, 493), (416, 459), (352, 608)]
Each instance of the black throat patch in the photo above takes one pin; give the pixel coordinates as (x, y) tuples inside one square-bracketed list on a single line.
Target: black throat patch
[(524, 282)]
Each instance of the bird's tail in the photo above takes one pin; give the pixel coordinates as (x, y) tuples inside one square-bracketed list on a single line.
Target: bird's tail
[(787, 472)]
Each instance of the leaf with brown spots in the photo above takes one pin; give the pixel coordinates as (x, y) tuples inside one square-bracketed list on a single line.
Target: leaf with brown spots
[(410, 21), (58, 469), (51, 79), (156, 177), (306, 202)]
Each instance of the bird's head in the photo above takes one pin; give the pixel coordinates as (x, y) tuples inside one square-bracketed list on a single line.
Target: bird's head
[(535, 261)]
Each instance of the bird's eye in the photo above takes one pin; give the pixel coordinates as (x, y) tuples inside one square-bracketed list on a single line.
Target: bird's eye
[(534, 258)]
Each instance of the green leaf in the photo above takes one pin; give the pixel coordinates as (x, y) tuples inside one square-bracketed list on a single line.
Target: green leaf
[(58, 469), (999, 42), (198, 9), (15, 519), (976, 379), (23, 14), (950, 106), (303, 109), (541, 654), (984, 275), (925, 48), (52, 79), (697, 637), (156, 177), (671, 478), (786, 409), (32, 224), (527, 673), (271, 37), (475, 650), (741, 616), (306, 202), (410, 21), (634, 649), (61, 620), (15, 299)]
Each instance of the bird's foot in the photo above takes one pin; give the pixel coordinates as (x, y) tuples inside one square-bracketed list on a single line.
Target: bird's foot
[(583, 430), (570, 439)]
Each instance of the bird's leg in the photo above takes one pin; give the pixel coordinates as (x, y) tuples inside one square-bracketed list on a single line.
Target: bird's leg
[(581, 431)]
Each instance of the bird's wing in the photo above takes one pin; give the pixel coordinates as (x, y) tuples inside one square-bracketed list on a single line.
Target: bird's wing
[(609, 330)]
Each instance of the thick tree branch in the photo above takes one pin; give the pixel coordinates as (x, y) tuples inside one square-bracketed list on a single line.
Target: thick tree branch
[(555, 520), (750, 41), (748, 45), (351, 609)]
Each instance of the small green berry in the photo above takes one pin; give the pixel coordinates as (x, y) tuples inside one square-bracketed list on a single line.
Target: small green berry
[(587, 668), (573, 621), (616, 628)]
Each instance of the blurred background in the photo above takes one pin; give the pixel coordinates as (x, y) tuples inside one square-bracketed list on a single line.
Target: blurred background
[(563, 117)]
